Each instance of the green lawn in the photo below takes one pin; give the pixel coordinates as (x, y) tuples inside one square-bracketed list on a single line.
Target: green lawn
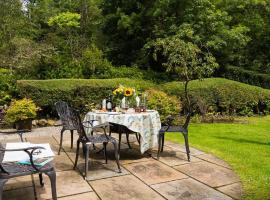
[(246, 147)]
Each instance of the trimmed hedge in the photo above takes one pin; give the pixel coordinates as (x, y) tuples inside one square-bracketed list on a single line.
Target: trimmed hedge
[(247, 76), (211, 95), (224, 96), (79, 92)]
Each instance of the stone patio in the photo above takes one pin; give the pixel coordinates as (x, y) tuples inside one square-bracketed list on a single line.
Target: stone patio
[(143, 177)]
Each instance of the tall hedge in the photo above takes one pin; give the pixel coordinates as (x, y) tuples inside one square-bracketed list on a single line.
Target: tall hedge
[(247, 76), (209, 95), (79, 92), (224, 96)]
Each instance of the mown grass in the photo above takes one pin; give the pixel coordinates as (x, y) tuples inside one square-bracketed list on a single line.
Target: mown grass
[(246, 147)]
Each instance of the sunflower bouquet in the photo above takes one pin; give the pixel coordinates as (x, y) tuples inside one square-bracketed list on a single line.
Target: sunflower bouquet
[(123, 92)]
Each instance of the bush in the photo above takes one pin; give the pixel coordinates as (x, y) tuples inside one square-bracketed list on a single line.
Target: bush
[(223, 96), (246, 76), (7, 86), (78, 92), (21, 110), (164, 104)]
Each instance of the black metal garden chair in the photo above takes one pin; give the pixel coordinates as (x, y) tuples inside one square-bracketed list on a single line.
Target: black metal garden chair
[(168, 127), (121, 129), (87, 141), (13, 169), (63, 110)]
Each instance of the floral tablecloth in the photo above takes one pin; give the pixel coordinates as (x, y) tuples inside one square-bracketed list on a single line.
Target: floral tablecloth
[(147, 124)]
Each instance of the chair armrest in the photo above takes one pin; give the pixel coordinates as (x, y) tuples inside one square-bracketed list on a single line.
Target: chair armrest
[(19, 132), (30, 151), (89, 122), (169, 119)]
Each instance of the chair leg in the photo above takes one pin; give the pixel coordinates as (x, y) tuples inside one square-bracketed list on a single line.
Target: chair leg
[(94, 147), (86, 161), (77, 154), (116, 154), (41, 179), (160, 136), (187, 145), (119, 144), (127, 136), (71, 133), (2, 183), (162, 145), (52, 177), (105, 151), (61, 140), (138, 137)]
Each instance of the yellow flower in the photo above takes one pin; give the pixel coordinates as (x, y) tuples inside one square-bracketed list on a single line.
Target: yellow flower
[(128, 92)]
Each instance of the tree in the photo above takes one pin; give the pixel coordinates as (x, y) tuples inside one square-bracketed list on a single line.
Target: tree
[(255, 15), (184, 59), (129, 25)]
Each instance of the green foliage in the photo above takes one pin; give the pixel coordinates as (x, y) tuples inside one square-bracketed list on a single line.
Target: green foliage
[(7, 86), (247, 76), (212, 29), (65, 20), (253, 14), (184, 59), (79, 92), (94, 63), (164, 104), (212, 95), (134, 73), (21, 110), (223, 96)]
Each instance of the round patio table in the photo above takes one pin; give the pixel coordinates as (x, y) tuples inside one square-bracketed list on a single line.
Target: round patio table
[(147, 124)]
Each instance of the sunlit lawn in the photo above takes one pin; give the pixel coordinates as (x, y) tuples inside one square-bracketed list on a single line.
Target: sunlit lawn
[(246, 147)]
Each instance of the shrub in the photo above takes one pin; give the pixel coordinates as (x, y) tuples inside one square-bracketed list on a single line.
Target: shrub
[(21, 110), (93, 63), (164, 104), (223, 96), (7, 86), (247, 76), (78, 92)]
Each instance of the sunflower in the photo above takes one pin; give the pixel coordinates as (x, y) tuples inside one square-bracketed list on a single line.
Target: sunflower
[(128, 92)]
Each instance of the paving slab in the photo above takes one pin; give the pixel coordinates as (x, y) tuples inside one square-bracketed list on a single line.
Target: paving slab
[(98, 170), (213, 159), (130, 155), (181, 147), (173, 158), (62, 162), (18, 182), (152, 172), (188, 189), (208, 173), (67, 183), (22, 193), (83, 196), (123, 188), (233, 190)]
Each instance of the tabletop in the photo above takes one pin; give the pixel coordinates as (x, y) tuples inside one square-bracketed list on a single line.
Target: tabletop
[(147, 124)]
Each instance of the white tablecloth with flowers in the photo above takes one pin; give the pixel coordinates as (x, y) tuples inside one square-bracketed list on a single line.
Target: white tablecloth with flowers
[(147, 124)]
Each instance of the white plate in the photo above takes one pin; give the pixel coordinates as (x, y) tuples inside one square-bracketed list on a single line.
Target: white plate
[(113, 113)]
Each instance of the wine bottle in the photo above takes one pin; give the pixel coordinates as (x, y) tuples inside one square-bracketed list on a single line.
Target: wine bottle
[(109, 104)]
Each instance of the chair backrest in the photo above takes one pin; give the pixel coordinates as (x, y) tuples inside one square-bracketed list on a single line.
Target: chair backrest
[(188, 117), (75, 118), (63, 111)]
